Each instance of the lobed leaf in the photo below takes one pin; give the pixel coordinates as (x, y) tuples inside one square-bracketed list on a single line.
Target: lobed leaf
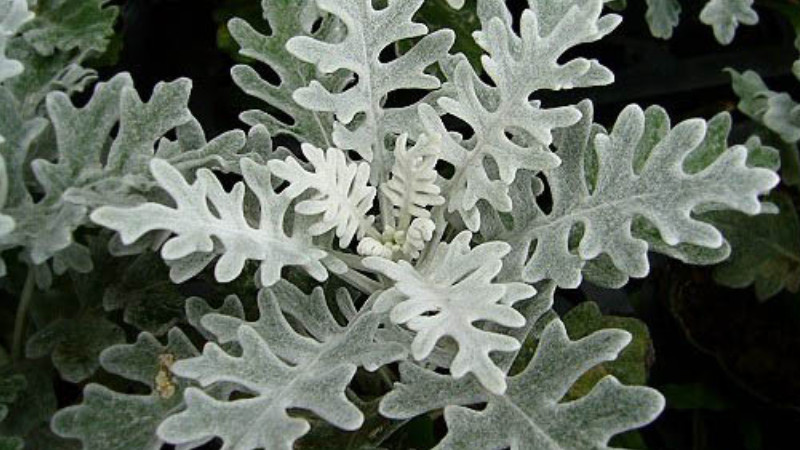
[(526, 418), (369, 32), (518, 66), (776, 110), (662, 17), (642, 169), (13, 14), (286, 19), (196, 225), (447, 296), (91, 169), (726, 15), (412, 187), (282, 369), (632, 365), (66, 25), (109, 420), (341, 192)]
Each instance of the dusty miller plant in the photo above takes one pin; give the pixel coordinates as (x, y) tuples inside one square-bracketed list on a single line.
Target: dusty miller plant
[(765, 248), (439, 237)]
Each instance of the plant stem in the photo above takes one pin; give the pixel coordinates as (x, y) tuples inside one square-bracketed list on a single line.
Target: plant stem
[(360, 282), (22, 314)]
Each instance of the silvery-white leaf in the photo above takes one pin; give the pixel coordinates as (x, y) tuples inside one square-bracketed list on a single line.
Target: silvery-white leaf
[(642, 168), (726, 15), (196, 226), (281, 368), (13, 14), (447, 296), (530, 414), (519, 66)]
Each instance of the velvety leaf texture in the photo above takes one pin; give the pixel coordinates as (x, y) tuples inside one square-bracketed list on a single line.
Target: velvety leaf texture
[(388, 278), (448, 296), (630, 367), (109, 420), (525, 418), (341, 192), (281, 369), (662, 17), (776, 110), (287, 19), (66, 25), (640, 170), (726, 15), (13, 14), (92, 170), (519, 66), (369, 31), (195, 224)]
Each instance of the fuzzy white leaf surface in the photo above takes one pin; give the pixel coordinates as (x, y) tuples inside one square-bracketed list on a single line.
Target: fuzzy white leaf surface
[(530, 415), (412, 187), (369, 31), (341, 193), (448, 296), (726, 15), (13, 14), (196, 226), (286, 19), (638, 171), (282, 368), (519, 66)]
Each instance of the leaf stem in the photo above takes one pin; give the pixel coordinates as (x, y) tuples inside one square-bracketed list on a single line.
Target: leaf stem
[(360, 282), (22, 314)]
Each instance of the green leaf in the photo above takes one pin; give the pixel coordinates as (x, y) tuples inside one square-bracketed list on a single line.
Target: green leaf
[(72, 327), (92, 169), (631, 366), (765, 249), (34, 401), (662, 17), (75, 345), (142, 289), (108, 420), (67, 25)]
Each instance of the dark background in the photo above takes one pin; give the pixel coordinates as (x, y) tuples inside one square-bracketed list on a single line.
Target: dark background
[(727, 364)]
